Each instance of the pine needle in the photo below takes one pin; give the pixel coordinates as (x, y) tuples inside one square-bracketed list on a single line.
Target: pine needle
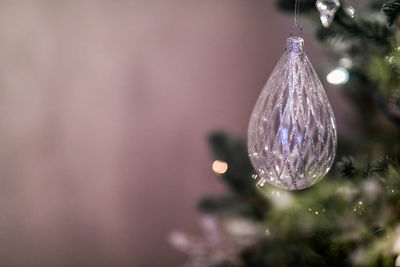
[(392, 11)]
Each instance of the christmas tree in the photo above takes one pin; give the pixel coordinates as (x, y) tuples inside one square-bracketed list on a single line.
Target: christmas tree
[(352, 216)]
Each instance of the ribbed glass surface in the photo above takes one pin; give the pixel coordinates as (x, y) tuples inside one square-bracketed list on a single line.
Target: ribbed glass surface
[(292, 131)]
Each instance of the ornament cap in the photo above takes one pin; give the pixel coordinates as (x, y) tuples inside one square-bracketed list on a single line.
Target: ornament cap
[(295, 44)]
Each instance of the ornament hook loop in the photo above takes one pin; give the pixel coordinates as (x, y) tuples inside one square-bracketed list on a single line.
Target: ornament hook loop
[(296, 31), (296, 27)]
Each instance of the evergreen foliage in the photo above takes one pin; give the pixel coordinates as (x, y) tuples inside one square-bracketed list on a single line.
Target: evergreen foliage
[(392, 11)]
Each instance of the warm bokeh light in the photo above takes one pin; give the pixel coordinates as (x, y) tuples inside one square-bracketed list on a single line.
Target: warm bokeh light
[(220, 167), (338, 76)]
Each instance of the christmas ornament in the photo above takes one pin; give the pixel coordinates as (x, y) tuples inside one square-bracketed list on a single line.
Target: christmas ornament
[(327, 10), (292, 131)]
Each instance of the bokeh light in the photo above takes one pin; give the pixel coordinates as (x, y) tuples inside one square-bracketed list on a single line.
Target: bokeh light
[(220, 167), (346, 63), (350, 11), (338, 76)]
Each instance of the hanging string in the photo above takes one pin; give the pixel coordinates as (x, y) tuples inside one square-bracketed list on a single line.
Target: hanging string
[(296, 12), (296, 26)]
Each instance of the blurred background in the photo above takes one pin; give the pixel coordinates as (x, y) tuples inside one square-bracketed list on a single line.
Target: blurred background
[(104, 111)]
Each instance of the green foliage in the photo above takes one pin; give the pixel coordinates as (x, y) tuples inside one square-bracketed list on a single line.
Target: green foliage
[(346, 167), (244, 199), (359, 32), (395, 98), (392, 11), (338, 222), (232, 151)]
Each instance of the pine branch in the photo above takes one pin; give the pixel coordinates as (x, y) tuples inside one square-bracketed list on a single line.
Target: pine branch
[(379, 100), (251, 207), (346, 167), (376, 4), (234, 153), (357, 31), (392, 11), (395, 98), (381, 165)]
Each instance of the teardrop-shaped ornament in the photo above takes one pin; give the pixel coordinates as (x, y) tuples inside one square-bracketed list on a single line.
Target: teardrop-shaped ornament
[(292, 130)]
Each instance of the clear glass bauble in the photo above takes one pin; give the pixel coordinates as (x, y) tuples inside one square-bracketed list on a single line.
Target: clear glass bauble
[(292, 130)]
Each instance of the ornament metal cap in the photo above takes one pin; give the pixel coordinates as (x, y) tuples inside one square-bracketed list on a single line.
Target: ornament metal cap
[(295, 44)]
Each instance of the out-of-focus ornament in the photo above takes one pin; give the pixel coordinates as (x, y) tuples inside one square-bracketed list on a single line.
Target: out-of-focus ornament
[(222, 240), (397, 262), (292, 130), (327, 10)]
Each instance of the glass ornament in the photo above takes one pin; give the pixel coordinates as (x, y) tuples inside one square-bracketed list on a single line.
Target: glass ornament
[(327, 10), (292, 130)]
